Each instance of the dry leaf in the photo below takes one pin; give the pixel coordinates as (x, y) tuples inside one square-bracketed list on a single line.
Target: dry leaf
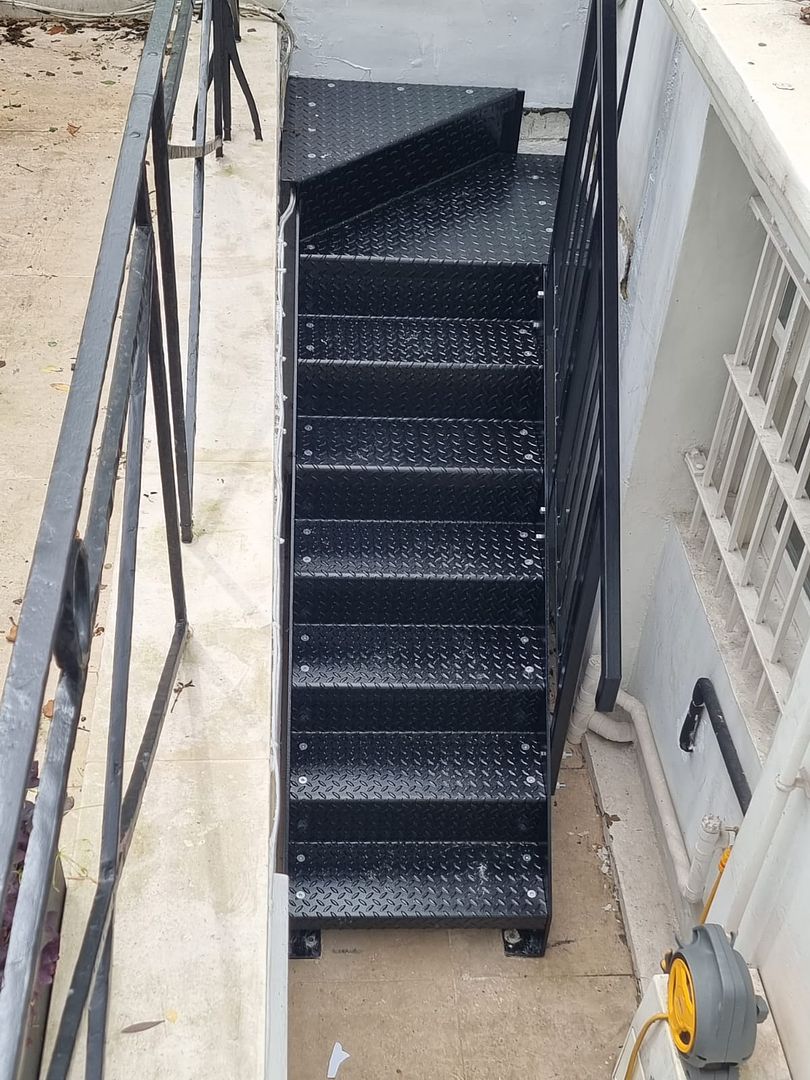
[(804, 14), (57, 29), (52, 369), (11, 633), (62, 386), (47, 709), (144, 1025), (73, 128)]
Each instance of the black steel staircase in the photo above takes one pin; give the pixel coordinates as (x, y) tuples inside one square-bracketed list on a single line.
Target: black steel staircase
[(414, 500)]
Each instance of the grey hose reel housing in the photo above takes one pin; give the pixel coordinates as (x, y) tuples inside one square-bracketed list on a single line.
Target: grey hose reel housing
[(713, 1010)]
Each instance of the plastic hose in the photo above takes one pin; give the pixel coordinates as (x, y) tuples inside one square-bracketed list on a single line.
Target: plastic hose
[(710, 899), (648, 1023)]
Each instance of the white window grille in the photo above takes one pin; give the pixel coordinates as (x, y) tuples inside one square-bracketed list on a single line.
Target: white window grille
[(753, 487)]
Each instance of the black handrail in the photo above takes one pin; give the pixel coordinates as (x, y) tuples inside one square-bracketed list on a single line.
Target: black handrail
[(704, 697), (289, 228), (58, 611), (582, 389)]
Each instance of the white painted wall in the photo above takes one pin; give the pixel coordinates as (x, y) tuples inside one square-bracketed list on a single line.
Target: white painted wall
[(684, 190), (531, 44), (677, 648), (660, 149), (684, 193), (775, 929)]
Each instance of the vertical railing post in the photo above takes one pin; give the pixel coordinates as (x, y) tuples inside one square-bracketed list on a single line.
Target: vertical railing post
[(610, 590), (288, 267), (198, 205), (163, 202), (583, 493)]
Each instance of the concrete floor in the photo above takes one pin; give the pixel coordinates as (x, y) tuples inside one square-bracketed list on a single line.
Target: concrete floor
[(62, 101), (448, 1005), (191, 912)]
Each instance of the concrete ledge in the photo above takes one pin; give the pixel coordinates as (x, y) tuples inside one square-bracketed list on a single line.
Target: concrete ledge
[(651, 918), (753, 58)]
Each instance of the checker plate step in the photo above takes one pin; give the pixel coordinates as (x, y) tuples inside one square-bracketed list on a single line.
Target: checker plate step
[(417, 884), (497, 211), (418, 657), (405, 469), (418, 746), (414, 766), (406, 571), (419, 367)]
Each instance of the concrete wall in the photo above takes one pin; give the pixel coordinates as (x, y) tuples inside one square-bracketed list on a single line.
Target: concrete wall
[(775, 929), (692, 247), (677, 648), (532, 45), (690, 251)]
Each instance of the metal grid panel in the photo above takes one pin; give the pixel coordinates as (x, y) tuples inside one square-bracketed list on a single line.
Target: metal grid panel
[(752, 486), (332, 123), (496, 211), (414, 884), (407, 766), (418, 657)]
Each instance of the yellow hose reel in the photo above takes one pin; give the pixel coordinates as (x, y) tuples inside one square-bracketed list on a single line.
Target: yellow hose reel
[(681, 1008), (712, 1010)]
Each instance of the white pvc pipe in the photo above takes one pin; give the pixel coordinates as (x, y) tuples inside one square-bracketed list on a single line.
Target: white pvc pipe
[(609, 728), (705, 847), (748, 873), (658, 783), (586, 719)]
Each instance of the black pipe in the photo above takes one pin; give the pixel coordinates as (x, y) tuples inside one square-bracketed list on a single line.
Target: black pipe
[(704, 696)]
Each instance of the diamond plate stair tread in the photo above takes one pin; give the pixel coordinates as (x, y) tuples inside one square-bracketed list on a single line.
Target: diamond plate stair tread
[(370, 443), (448, 820), (416, 766), (331, 123), (426, 341), (394, 708), (337, 655), (348, 286), (449, 550), (418, 884), (500, 210)]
